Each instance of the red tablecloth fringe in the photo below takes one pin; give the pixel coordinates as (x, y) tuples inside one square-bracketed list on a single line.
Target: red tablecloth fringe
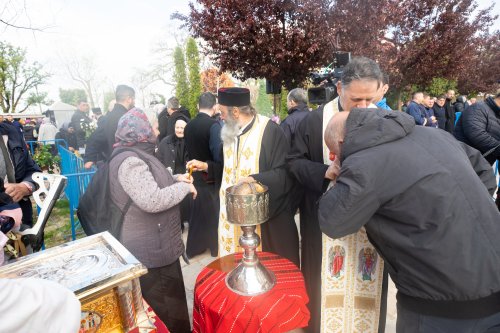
[(283, 308)]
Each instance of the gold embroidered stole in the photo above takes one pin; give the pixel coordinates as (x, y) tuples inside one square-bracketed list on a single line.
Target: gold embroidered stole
[(351, 273), (239, 162)]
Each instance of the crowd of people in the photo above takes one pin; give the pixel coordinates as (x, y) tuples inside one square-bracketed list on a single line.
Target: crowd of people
[(228, 142), (394, 190)]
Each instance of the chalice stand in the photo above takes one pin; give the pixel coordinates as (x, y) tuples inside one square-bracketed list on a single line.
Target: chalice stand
[(250, 277)]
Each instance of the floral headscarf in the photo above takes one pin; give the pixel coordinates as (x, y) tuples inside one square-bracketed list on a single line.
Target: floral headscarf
[(134, 128)]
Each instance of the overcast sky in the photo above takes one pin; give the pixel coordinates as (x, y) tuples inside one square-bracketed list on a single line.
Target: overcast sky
[(120, 34)]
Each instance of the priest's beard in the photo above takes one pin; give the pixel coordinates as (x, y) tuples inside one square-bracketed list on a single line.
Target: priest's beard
[(230, 130)]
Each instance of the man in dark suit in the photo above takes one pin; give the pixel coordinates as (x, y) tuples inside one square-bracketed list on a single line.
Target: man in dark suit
[(203, 143), (100, 144)]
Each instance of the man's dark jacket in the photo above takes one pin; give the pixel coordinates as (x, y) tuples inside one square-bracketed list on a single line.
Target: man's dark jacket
[(459, 105), (295, 116), (479, 127), (425, 201), (100, 143), (450, 116), (440, 114), (79, 121), (417, 111), (23, 164)]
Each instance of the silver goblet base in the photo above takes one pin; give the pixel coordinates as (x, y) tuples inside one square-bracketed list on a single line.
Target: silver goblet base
[(250, 277)]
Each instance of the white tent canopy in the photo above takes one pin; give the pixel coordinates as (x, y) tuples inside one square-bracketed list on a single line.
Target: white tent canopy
[(62, 112), (60, 106)]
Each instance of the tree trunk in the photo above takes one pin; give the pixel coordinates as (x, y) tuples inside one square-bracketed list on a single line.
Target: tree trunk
[(400, 103)]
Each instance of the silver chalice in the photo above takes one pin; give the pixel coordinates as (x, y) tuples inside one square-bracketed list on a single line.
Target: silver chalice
[(247, 206)]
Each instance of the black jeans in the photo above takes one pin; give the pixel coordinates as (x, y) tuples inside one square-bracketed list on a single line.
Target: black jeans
[(163, 289), (411, 322)]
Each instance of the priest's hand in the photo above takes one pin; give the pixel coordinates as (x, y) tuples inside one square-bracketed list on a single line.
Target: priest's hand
[(192, 190), (246, 180), (333, 170), (197, 165)]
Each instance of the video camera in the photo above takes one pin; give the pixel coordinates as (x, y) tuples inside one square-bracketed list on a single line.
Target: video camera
[(327, 79)]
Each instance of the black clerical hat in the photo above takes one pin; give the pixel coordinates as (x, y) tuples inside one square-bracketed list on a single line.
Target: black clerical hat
[(234, 96)]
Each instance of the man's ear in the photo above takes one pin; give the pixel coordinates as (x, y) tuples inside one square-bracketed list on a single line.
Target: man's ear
[(236, 112), (339, 87)]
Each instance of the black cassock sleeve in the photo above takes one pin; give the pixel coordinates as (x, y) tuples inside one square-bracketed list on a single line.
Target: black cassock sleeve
[(97, 143), (215, 169), (305, 160), (272, 168)]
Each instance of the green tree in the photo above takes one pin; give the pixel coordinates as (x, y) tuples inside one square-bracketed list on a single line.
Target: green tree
[(72, 96), (263, 105), (282, 110), (193, 64), (18, 79), (439, 86), (180, 77)]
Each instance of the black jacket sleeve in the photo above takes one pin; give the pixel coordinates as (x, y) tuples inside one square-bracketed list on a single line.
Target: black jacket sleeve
[(301, 160), (24, 166), (272, 168), (96, 142), (481, 167), (349, 204), (475, 124)]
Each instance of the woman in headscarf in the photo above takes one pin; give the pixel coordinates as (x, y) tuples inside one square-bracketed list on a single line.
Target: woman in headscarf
[(172, 153), (151, 227)]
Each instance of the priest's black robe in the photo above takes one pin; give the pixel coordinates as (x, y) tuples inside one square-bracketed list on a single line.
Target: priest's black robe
[(279, 233), (306, 164), (202, 136)]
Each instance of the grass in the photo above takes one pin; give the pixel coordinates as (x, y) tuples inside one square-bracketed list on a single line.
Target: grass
[(58, 228)]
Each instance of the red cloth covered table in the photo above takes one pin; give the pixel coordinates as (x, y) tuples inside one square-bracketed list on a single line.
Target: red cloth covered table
[(160, 326), (218, 309)]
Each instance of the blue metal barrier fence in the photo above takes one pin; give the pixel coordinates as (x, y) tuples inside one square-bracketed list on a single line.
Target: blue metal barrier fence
[(73, 168), (34, 144), (78, 180)]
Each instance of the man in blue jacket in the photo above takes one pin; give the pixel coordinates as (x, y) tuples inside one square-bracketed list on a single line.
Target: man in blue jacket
[(416, 109)]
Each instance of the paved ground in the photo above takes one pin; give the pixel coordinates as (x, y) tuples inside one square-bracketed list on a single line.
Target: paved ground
[(191, 271)]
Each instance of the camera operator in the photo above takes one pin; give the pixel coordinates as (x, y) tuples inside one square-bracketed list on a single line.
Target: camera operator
[(308, 162)]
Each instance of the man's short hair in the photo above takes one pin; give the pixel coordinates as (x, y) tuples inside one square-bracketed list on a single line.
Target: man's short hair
[(173, 103), (426, 95), (416, 93), (361, 68), (441, 97), (298, 95), (81, 100), (207, 101), (123, 92)]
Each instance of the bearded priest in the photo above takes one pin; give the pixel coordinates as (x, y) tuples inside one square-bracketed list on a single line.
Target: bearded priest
[(254, 149)]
